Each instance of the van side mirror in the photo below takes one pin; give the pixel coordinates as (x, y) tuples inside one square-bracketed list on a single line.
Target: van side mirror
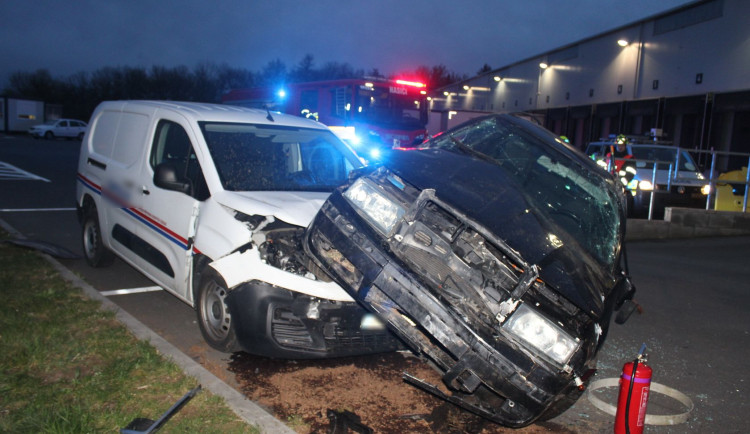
[(165, 176)]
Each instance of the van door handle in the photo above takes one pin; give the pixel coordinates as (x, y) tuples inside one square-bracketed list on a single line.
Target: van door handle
[(145, 191)]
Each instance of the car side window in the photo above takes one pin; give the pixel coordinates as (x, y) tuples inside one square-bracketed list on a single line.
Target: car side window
[(64, 123), (172, 147)]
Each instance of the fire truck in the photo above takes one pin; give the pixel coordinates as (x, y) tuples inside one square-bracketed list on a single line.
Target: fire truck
[(369, 113)]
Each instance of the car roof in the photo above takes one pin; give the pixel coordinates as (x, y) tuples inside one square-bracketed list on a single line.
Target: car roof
[(198, 112)]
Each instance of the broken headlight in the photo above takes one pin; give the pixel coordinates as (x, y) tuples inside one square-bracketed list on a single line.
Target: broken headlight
[(381, 211), (542, 334)]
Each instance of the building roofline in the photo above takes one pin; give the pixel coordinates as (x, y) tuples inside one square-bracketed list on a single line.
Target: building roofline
[(578, 42)]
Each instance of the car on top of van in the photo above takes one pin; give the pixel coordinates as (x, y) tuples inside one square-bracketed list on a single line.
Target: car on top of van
[(211, 203)]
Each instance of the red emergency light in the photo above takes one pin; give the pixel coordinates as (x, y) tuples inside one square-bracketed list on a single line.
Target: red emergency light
[(411, 83)]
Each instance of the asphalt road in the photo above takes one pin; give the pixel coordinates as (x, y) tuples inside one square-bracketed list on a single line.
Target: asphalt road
[(695, 296)]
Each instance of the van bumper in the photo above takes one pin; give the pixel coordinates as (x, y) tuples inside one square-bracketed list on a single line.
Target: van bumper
[(276, 322)]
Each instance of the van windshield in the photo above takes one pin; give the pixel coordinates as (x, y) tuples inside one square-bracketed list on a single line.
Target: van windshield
[(251, 157)]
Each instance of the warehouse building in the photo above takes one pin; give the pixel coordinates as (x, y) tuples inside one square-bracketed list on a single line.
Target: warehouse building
[(683, 75)]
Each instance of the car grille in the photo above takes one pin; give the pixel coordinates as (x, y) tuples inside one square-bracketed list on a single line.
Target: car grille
[(459, 265), (290, 331)]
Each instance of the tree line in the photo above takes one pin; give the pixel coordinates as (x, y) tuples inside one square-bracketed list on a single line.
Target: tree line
[(80, 93)]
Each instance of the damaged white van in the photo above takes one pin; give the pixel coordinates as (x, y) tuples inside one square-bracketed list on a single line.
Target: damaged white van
[(210, 202)]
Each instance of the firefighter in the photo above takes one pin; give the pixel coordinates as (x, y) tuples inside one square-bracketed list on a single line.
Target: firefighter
[(617, 160)]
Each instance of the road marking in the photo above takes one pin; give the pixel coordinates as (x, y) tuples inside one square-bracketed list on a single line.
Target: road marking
[(131, 291), (13, 173), (35, 209)]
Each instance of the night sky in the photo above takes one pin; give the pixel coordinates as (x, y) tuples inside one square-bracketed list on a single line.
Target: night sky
[(66, 37)]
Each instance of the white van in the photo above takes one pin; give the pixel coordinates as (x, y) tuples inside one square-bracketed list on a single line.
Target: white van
[(210, 202)]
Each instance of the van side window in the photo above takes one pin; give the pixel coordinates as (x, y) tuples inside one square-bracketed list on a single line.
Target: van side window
[(172, 146)]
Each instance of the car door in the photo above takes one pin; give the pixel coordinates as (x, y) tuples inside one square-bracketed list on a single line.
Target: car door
[(61, 129), (170, 216)]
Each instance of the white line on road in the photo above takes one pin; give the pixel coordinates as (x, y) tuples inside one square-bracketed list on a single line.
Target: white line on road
[(131, 291), (11, 172), (34, 209)]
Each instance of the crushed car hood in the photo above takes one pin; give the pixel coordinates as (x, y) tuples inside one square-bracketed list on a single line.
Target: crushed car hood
[(486, 194), (294, 207)]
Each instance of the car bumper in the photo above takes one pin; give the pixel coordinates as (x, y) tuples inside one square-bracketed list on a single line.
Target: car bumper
[(500, 381), (276, 322)]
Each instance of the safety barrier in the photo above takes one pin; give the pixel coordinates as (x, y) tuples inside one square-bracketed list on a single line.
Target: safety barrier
[(714, 177)]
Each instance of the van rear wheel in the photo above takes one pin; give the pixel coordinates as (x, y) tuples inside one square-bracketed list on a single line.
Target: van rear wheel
[(96, 253), (214, 317)]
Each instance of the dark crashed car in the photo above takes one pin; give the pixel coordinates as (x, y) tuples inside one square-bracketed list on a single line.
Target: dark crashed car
[(496, 251)]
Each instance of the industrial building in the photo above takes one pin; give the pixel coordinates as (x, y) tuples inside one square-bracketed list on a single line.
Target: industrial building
[(682, 75)]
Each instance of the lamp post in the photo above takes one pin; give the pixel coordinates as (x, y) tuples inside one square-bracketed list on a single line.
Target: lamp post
[(542, 67)]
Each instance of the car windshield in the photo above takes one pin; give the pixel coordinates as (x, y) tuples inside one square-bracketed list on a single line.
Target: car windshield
[(252, 157), (562, 190), (667, 155)]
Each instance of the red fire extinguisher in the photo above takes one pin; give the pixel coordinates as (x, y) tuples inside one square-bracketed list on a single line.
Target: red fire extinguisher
[(635, 384)]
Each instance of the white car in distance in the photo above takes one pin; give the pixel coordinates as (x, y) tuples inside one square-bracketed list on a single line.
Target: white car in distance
[(67, 128)]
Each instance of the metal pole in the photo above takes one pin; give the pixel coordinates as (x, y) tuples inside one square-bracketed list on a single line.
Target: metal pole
[(747, 184), (653, 192), (669, 177), (711, 181)]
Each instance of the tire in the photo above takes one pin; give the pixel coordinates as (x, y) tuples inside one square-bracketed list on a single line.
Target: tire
[(214, 318), (48, 135), (96, 253)]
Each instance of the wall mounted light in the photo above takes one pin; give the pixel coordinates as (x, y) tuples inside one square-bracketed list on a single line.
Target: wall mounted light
[(622, 42), (498, 78), (543, 65)]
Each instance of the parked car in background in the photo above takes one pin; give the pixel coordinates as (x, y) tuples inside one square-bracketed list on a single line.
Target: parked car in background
[(495, 250), (66, 128), (678, 181)]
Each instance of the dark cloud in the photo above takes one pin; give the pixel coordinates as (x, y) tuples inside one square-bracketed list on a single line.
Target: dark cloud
[(391, 35)]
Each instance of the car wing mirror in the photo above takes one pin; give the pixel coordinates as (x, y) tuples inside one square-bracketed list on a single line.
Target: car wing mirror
[(165, 176)]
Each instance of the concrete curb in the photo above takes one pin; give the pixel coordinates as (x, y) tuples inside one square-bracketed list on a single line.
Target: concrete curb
[(243, 407), (689, 223)]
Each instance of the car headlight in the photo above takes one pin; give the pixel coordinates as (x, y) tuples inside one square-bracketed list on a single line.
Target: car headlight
[(645, 185), (541, 333), (381, 211), (706, 189)]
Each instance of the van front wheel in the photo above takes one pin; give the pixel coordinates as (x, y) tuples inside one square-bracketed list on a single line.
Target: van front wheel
[(214, 318)]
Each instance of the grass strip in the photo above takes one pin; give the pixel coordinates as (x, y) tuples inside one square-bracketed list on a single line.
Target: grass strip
[(68, 366)]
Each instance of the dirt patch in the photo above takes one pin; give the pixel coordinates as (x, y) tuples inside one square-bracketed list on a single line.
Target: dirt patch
[(300, 393)]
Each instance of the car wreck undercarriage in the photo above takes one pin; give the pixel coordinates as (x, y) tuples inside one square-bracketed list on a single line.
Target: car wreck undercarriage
[(495, 252)]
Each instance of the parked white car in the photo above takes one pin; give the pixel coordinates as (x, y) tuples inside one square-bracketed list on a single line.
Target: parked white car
[(67, 128), (211, 203)]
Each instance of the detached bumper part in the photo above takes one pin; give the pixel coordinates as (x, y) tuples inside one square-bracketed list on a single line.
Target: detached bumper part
[(276, 322)]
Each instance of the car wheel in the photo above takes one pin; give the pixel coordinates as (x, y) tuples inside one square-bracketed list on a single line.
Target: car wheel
[(96, 253), (214, 317), (48, 135)]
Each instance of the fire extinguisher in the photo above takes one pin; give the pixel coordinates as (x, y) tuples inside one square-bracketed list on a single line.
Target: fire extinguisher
[(635, 384)]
